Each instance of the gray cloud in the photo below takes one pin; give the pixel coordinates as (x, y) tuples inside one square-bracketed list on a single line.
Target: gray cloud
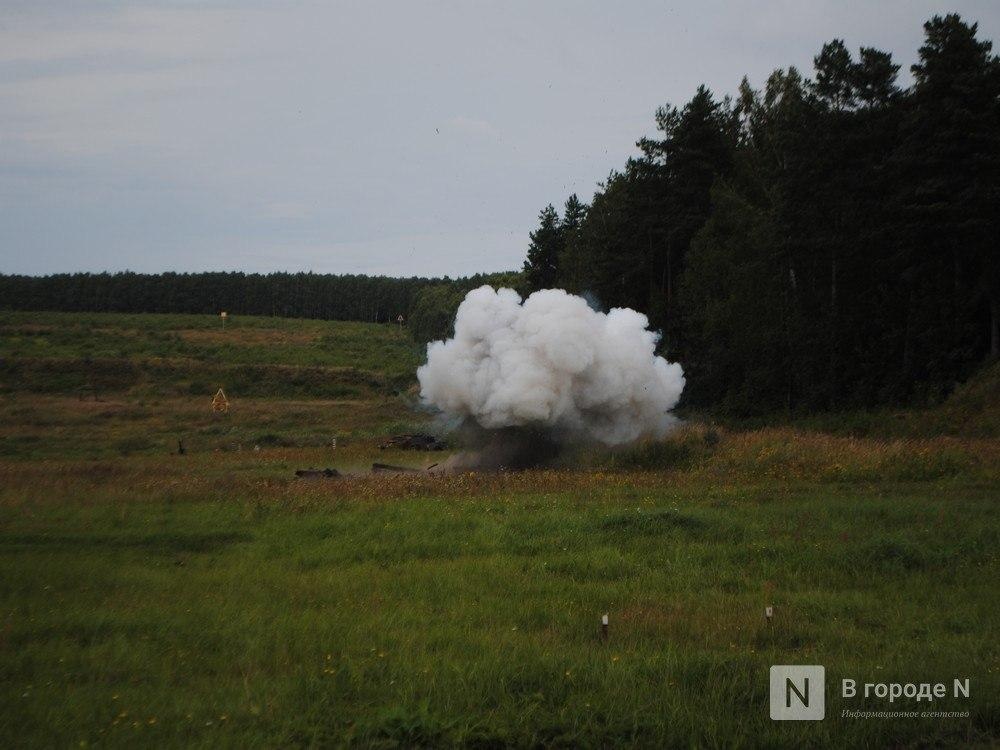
[(392, 138)]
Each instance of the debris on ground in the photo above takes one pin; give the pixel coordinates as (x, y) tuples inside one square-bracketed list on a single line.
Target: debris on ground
[(390, 469), (311, 473), (417, 441)]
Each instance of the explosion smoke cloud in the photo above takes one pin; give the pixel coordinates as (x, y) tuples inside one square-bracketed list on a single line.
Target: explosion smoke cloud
[(552, 362)]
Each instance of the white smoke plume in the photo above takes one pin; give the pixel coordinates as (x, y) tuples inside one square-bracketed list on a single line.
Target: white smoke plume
[(552, 362)]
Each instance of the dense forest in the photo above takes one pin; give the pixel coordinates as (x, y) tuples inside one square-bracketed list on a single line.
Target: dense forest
[(824, 242), (428, 304), (299, 295)]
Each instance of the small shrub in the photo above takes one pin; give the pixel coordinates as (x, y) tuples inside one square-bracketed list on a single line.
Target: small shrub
[(405, 727), (130, 445), (270, 440), (198, 388), (888, 555)]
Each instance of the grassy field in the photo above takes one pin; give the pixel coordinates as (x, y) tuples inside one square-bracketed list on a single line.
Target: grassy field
[(191, 355), (212, 599)]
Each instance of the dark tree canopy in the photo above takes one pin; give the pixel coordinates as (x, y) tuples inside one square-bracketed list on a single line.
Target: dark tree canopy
[(824, 242)]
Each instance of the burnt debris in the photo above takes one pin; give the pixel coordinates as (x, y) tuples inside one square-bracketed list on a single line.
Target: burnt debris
[(317, 473), (417, 441)]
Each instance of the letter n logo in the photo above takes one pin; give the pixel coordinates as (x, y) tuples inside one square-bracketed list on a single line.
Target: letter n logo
[(798, 692)]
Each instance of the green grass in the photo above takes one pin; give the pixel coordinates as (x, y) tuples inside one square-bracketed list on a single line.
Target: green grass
[(213, 600), (213, 616), (53, 427), (971, 410), (114, 353)]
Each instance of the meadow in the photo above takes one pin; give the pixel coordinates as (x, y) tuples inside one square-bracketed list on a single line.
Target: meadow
[(212, 599)]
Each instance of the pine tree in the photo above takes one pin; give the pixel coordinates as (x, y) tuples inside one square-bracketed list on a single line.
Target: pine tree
[(574, 262), (696, 148), (949, 160), (541, 268)]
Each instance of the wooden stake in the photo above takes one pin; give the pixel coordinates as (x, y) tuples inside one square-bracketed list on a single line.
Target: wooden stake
[(604, 627)]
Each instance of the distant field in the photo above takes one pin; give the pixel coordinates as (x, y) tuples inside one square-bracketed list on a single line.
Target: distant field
[(214, 600), (51, 427), (107, 353)]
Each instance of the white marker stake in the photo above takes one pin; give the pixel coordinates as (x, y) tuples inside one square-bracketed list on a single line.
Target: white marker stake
[(604, 627), (768, 613)]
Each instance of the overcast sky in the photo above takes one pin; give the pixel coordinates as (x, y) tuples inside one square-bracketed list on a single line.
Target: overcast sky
[(384, 138)]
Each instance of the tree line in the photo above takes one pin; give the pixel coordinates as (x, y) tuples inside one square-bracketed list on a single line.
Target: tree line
[(427, 304), (823, 242), (299, 295)]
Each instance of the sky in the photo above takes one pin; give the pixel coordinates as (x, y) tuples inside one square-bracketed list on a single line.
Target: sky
[(395, 138)]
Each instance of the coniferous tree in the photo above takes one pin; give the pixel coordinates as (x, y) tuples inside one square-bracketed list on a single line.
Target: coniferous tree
[(696, 148), (949, 157), (573, 263), (541, 269)]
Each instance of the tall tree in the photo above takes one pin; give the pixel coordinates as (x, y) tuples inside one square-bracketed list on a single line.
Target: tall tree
[(574, 260), (696, 148), (541, 269), (949, 160)]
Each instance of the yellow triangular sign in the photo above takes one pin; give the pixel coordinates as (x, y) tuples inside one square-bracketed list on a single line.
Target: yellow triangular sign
[(220, 402)]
